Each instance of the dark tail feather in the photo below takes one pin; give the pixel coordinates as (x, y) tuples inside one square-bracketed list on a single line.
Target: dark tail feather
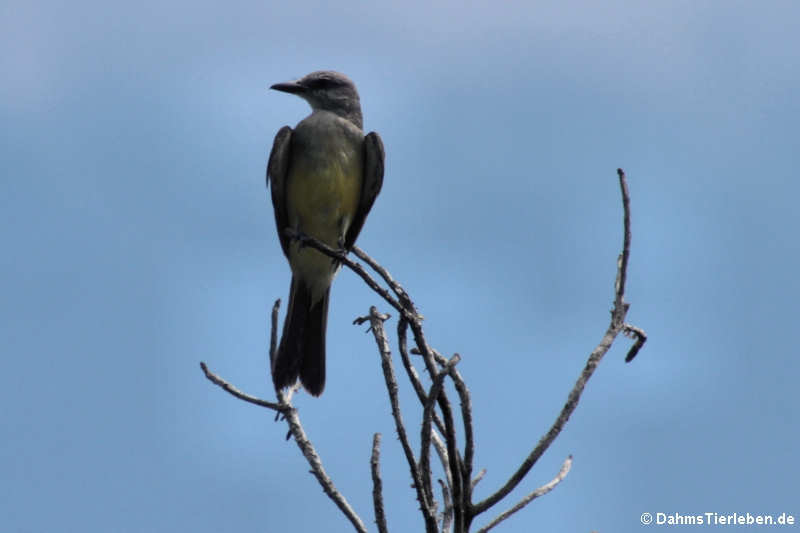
[(312, 370), (286, 365), (301, 352)]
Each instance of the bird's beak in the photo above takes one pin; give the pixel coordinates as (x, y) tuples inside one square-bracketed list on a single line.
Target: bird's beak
[(291, 87)]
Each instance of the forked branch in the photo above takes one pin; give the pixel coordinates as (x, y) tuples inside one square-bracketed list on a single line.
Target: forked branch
[(458, 510)]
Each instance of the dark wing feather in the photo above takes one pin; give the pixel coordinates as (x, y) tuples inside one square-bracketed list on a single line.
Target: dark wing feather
[(277, 172), (371, 186)]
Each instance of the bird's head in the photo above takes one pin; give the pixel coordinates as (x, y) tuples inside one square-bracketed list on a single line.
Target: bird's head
[(326, 90)]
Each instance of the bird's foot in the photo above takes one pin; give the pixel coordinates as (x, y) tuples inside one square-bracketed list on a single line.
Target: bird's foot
[(297, 235), (341, 250)]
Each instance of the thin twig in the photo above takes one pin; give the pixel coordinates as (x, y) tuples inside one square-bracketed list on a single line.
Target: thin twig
[(545, 442), (615, 327), (620, 307), (477, 479), (377, 484), (413, 376), (414, 319), (466, 416), (285, 408), (459, 510), (541, 491), (469, 443), (376, 322), (317, 469), (626, 244), (447, 513), (422, 345), (427, 415), (341, 257), (306, 447), (458, 490), (398, 289), (296, 429), (465, 466), (216, 380), (441, 451), (449, 427), (429, 357)]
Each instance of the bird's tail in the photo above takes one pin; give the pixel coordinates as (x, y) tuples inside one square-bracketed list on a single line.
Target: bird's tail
[(301, 352)]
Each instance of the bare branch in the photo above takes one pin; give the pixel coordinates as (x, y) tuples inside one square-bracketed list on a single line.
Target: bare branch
[(466, 416), (424, 349), (427, 415), (622, 271), (614, 328), (398, 289), (285, 408), (447, 513), (460, 508), (377, 484), (620, 307), (541, 491), (458, 511), (414, 319), (402, 342), (216, 380), (441, 451), (455, 462), (478, 478), (341, 257), (426, 505), (296, 429), (544, 443)]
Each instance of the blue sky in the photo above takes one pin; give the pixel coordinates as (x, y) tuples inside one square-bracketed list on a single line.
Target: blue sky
[(139, 240)]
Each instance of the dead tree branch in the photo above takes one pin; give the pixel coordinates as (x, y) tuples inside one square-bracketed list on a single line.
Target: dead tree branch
[(541, 491), (425, 498), (615, 327), (289, 413), (377, 484), (438, 428)]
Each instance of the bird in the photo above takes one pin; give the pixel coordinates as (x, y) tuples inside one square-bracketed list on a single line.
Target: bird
[(324, 176)]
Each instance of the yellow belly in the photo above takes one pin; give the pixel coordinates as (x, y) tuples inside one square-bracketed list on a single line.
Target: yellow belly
[(322, 200)]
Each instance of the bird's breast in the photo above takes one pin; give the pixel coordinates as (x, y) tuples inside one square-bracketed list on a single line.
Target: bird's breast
[(323, 190)]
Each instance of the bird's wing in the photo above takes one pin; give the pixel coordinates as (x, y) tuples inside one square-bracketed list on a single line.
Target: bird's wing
[(277, 172), (370, 187)]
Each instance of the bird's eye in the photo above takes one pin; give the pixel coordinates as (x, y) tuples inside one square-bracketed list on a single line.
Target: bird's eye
[(314, 84), (325, 81), (320, 83)]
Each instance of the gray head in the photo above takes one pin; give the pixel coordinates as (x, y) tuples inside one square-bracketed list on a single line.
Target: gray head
[(326, 90)]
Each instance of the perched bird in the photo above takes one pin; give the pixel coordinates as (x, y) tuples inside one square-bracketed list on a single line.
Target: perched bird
[(324, 177)]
